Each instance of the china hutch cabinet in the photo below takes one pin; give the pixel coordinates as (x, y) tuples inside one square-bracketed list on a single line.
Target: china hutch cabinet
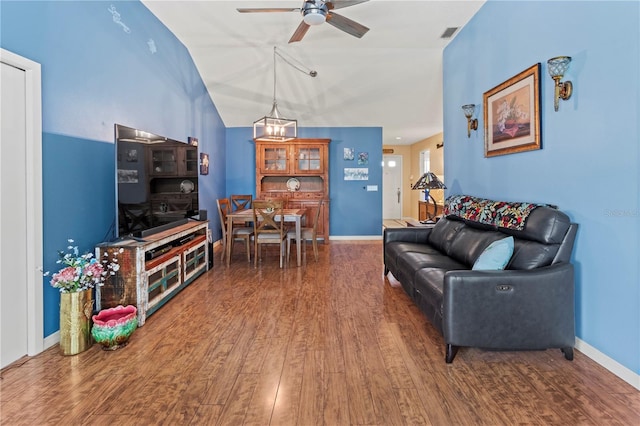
[(296, 171)]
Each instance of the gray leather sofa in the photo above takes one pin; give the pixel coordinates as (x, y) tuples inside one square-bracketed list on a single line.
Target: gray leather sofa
[(527, 306)]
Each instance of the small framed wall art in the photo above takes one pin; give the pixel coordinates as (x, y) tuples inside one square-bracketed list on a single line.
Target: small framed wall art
[(348, 154), (512, 114), (363, 158), (204, 163), (356, 173)]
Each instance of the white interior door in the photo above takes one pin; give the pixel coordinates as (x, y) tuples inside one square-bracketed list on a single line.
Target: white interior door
[(20, 209), (13, 268), (392, 187)]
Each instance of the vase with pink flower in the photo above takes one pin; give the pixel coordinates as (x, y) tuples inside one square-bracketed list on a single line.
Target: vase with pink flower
[(75, 281)]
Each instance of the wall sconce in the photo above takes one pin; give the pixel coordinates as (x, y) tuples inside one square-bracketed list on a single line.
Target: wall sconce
[(472, 123), (557, 67)]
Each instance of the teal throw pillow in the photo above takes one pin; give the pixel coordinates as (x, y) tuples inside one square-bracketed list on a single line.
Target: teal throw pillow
[(496, 256)]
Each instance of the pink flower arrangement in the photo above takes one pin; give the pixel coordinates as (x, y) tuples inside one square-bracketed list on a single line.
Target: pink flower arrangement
[(82, 272)]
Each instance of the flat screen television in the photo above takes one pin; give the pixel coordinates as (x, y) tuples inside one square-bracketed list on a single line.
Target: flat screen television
[(156, 182)]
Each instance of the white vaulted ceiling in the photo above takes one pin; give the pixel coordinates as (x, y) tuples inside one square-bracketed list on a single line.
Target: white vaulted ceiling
[(390, 78)]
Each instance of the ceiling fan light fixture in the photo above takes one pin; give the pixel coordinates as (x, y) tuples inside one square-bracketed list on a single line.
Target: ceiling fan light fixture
[(314, 17), (314, 13)]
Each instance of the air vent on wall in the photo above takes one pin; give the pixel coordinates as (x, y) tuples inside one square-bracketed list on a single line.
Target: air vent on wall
[(449, 32)]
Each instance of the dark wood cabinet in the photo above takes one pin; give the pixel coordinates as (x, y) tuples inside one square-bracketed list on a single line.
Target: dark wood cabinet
[(297, 172)]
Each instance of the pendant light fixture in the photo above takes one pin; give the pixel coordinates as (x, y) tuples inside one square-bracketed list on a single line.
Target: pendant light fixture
[(273, 127)]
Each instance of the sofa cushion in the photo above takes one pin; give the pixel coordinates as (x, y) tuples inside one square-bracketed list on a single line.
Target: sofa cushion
[(429, 283), (411, 262), (545, 225), (531, 255), (443, 233), (469, 243), (395, 248), (496, 256), (429, 294)]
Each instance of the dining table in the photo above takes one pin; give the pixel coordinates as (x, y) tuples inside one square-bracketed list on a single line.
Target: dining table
[(246, 215)]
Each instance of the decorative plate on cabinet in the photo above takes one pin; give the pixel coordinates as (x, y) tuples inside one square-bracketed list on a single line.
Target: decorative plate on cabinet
[(186, 186), (293, 184)]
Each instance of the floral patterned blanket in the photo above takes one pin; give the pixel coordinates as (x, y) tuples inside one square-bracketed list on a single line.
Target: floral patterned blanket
[(495, 213)]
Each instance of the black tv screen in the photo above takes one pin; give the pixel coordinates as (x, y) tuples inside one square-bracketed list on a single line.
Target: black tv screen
[(156, 182)]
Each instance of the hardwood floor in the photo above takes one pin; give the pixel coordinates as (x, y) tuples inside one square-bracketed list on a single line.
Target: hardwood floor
[(332, 343)]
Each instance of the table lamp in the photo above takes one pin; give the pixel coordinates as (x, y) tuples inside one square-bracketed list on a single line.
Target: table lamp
[(427, 182)]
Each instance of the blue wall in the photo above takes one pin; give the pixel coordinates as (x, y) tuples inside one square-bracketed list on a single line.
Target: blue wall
[(590, 162), (353, 210), (95, 74)]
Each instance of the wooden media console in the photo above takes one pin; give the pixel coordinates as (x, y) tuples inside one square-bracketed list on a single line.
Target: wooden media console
[(155, 269)]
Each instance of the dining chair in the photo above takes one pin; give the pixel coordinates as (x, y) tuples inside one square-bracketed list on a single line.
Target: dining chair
[(307, 234), (268, 227), (241, 202), (238, 232)]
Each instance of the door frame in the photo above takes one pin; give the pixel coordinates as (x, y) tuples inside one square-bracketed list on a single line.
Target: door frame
[(33, 179)]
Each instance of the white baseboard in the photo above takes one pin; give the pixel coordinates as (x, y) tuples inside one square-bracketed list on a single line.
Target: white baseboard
[(610, 364), (52, 340)]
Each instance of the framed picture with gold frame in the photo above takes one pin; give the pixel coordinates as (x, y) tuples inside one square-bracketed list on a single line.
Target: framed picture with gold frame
[(512, 115)]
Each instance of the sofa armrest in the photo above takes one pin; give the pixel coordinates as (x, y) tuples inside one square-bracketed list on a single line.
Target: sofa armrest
[(523, 309), (409, 234)]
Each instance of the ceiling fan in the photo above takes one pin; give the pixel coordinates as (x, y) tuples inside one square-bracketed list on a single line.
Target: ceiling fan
[(316, 12)]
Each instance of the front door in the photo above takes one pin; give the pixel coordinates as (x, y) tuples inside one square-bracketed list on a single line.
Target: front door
[(392, 187)]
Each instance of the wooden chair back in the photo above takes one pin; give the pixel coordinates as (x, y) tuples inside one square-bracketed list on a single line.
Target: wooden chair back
[(317, 219), (223, 209), (241, 202), (264, 217), (237, 233), (307, 234), (268, 227)]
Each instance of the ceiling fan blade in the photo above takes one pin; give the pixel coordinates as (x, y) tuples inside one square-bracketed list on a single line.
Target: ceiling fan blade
[(340, 4), (268, 9), (347, 25), (299, 32)]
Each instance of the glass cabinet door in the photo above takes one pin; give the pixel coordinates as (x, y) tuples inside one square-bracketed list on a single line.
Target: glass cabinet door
[(308, 159), (191, 161), (274, 159), (163, 161)]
